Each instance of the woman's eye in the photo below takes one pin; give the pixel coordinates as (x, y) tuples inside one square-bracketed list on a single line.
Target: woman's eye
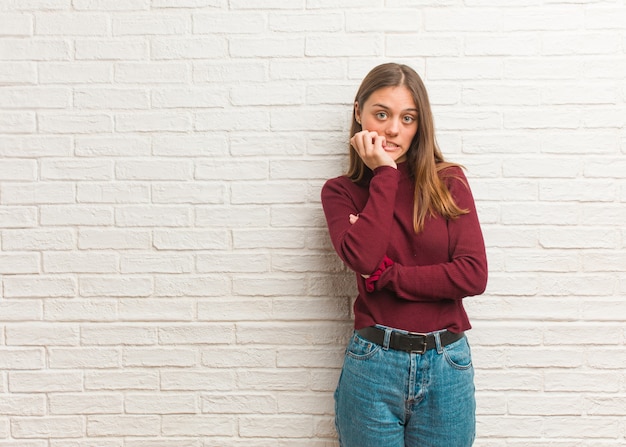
[(408, 119), (381, 115)]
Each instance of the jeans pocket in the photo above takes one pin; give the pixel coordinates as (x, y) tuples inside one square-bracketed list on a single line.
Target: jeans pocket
[(458, 354), (360, 348)]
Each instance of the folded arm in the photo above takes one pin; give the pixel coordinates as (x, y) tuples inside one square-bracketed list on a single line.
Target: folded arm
[(361, 243)]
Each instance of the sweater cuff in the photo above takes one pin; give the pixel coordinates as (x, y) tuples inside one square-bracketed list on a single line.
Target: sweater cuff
[(388, 277), (370, 282), (382, 169)]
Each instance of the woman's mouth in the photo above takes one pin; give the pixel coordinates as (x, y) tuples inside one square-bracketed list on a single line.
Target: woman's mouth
[(389, 146)]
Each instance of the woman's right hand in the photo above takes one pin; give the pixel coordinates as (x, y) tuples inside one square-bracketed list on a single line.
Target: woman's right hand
[(369, 146)]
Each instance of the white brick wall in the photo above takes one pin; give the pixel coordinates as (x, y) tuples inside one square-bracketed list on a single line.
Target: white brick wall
[(167, 280)]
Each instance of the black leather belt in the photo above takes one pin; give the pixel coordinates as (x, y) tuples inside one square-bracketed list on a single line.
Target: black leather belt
[(411, 342)]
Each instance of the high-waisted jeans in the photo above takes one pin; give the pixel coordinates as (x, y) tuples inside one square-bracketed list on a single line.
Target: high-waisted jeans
[(389, 398)]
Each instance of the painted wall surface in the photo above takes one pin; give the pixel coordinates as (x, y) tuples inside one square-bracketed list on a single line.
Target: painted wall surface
[(166, 275)]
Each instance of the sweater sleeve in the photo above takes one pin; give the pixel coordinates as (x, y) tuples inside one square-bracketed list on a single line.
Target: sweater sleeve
[(465, 274), (361, 245)]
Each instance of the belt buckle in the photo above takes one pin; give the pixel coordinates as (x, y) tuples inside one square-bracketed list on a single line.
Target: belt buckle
[(415, 336)]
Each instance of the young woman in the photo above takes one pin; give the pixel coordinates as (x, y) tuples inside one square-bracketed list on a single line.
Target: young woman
[(404, 220)]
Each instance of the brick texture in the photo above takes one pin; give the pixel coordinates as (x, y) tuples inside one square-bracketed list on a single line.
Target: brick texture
[(166, 277)]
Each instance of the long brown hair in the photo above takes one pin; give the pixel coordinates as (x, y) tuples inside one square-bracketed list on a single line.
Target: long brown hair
[(424, 159)]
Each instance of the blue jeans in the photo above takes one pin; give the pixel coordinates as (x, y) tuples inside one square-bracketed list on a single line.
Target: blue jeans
[(389, 398)]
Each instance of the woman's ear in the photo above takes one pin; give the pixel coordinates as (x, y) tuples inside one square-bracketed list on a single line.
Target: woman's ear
[(357, 112)]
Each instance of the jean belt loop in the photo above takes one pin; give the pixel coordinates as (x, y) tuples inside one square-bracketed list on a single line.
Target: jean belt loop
[(387, 338), (438, 342)]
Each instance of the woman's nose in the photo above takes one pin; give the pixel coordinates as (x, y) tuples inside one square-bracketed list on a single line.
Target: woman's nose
[(392, 127)]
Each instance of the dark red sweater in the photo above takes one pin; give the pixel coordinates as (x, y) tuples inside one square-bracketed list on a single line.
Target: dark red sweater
[(432, 271)]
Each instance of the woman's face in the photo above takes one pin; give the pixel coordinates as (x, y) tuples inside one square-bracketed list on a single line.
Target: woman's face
[(392, 113)]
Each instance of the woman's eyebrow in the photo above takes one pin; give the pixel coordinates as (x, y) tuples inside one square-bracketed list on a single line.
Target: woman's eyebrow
[(389, 108)]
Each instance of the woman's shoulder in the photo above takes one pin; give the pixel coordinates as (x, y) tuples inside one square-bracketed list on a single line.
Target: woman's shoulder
[(339, 184), (453, 176)]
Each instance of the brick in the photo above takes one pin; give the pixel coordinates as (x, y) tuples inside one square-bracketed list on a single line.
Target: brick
[(197, 334), (82, 24), (16, 405), (309, 22), (186, 4), (400, 20), (29, 286), (229, 22), (72, 358), (124, 192), (268, 47), (148, 216), (192, 145), (131, 379), (266, 144), (152, 122), (113, 239), (189, 48), (150, 24), (228, 71), (127, 286), (103, 146), (122, 425), (21, 358), (69, 215), (212, 380), (311, 403), (16, 25), (103, 5), (578, 238), (35, 193), (19, 263), (17, 73), (267, 4), (282, 426), (86, 403), (63, 123), (108, 98), (232, 120), (175, 403), (590, 43), (343, 45), (274, 379), (235, 309), (126, 49), (272, 94), (233, 357), (190, 240), (155, 310), (17, 122), (34, 97), (200, 425), (19, 310), (151, 72), (80, 310), (153, 170), (75, 73), (239, 403), (17, 170), (43, 335), (156, 263), (14, 49), (45, 381), (225, 216), (47, 427), (110, 335)]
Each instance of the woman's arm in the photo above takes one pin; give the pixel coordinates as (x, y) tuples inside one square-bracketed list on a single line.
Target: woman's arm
[(361, 245), (465, 274)]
